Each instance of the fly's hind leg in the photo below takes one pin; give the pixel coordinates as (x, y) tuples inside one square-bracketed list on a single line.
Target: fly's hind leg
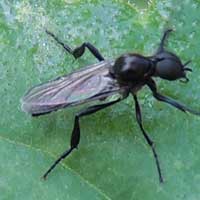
[(78, 51), (75, 137)]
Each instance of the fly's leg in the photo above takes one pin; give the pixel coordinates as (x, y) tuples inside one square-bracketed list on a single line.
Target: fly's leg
[(75, 137), (148, 139), (163, 40), (78, 51), (152, 85)]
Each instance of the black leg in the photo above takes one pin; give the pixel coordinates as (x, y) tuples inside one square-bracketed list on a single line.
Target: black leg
[(152, 85), (148, 139), (75, 137), (78, 51), (164, 38)]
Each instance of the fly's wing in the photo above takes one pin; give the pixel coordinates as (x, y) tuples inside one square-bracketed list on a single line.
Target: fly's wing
[(88, 84)]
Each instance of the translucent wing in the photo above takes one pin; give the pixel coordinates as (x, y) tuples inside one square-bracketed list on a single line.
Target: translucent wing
[(88, 84)]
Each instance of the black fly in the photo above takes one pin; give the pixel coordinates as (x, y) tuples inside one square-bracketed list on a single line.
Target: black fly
[(125, 75)]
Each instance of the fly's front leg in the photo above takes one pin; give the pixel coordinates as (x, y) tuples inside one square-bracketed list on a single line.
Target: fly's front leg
[(163, 40), (75, 137), (152, 85), (148, 139), (78, 51)]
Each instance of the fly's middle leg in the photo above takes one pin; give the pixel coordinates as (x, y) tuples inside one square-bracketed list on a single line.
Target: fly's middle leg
[(146, 136), (78, 51)]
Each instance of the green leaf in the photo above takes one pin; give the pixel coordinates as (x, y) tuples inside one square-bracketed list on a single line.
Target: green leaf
[(20, 177), (113, 160)]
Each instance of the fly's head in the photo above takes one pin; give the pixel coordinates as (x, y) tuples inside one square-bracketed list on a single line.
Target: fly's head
[(169, 66)]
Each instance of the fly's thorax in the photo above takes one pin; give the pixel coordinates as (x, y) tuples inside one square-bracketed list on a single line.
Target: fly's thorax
[(131, 68)]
